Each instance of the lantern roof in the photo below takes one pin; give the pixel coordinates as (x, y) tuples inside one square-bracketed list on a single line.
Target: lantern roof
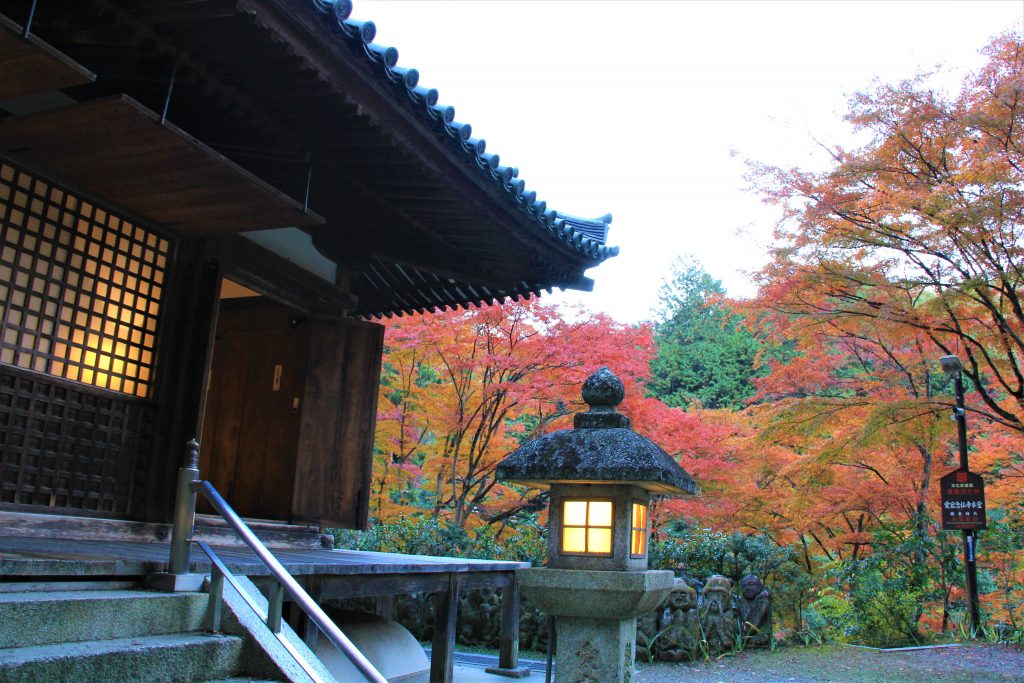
[(601, 449)]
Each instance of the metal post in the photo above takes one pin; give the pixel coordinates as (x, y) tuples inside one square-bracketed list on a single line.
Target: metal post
[(27, 29), (961, 418), (170, 90), (970, 546), (275, 606), (184, 510), (970, 539), (215, 606)]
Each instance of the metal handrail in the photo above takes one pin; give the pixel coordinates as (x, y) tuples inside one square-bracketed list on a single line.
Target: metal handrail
[(214, 609), (286, 581), (189, 485)]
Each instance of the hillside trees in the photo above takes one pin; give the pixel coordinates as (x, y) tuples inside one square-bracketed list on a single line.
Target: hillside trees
[(902, 251), (906, 250), (814, 416)]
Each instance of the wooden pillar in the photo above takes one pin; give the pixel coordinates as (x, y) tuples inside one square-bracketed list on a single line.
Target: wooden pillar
[(508, 644), (446, 610), (190, 305), (385, 606), (307, 630)]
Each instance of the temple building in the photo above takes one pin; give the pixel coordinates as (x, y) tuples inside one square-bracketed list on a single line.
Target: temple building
[(206, 207)]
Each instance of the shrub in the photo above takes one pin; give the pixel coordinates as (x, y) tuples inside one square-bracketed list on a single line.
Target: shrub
[(425, 535)]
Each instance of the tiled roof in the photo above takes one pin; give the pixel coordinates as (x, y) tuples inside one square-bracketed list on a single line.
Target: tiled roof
[(585, 236), (296, 93)]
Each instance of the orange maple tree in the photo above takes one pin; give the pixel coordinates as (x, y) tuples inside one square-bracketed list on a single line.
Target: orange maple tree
[(902, 251), (919, 231), (462, 389)]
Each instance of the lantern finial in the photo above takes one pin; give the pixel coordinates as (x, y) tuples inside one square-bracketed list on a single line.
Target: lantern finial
[(602, 391)]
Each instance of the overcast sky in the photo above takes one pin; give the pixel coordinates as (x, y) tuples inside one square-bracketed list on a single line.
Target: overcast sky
[(647, 110)]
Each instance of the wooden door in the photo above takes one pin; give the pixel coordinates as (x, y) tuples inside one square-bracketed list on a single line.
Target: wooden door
[(253, 407), (335, 452)]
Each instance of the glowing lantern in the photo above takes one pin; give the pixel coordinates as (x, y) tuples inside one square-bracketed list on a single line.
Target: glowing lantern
[(601, 476)]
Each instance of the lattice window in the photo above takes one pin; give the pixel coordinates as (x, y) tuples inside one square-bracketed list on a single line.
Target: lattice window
[(80, 287), (61, 446)]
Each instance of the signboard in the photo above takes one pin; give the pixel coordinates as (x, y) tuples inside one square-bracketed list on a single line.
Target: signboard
[(963, 500)]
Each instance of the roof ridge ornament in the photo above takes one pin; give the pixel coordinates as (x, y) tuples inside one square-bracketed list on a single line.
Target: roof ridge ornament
[(602, 391)]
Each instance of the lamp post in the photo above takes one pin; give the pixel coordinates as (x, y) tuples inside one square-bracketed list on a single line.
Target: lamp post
[(951, 366)]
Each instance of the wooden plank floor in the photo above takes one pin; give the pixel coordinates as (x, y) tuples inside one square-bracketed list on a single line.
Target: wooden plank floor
[(27, 556)]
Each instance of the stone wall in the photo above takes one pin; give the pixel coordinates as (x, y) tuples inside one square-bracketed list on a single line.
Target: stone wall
[(691, 623)]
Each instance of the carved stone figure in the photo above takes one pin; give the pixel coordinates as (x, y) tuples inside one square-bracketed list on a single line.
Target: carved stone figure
[(479, 617), (755, 612), (416, 613), (680, 626), (716, 614), (533, 629), (647, 627)]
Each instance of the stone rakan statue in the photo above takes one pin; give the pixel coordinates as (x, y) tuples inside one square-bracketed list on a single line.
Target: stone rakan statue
[(648, 626), (680, 626), (716, 614), (755, 612), (480, 617)]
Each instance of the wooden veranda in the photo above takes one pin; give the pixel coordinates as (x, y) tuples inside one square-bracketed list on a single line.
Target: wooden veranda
[(325, 574)]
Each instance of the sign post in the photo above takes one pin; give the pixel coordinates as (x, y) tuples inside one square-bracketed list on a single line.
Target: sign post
[(963, 494)]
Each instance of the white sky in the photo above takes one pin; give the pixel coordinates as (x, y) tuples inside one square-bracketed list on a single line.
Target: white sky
[(647, 109)]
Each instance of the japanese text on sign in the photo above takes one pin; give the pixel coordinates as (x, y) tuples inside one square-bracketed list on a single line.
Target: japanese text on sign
[(963, 500)]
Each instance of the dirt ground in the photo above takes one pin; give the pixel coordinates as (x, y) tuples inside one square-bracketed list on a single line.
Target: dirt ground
[(838, 663)]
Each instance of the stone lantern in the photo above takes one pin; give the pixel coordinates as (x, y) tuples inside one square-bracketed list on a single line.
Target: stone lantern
[(601, 475)]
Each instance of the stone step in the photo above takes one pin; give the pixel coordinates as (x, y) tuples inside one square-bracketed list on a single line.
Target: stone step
[(174, 658), (33, 618), (37, 586)]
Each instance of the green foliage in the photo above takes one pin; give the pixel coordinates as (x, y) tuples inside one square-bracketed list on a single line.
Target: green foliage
[(1003, 634), (426, 535), (705, 353), (827, 617), (702, 552), (885, 603), (885, 591), (1001, 546)]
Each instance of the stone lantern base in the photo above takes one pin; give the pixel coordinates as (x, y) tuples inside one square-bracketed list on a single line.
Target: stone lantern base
[(596, 611)]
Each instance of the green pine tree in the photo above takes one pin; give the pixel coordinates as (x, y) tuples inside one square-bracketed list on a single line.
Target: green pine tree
[(705, 352)]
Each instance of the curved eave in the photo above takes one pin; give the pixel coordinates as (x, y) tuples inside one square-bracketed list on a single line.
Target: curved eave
[(405, 191), (385, 289), (555, 229)]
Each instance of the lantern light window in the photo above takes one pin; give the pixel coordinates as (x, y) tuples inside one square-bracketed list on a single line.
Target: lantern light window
[(638, 531), (587, 527)]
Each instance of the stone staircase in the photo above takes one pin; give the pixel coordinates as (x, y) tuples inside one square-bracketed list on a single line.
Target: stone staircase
[(111, 632)]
